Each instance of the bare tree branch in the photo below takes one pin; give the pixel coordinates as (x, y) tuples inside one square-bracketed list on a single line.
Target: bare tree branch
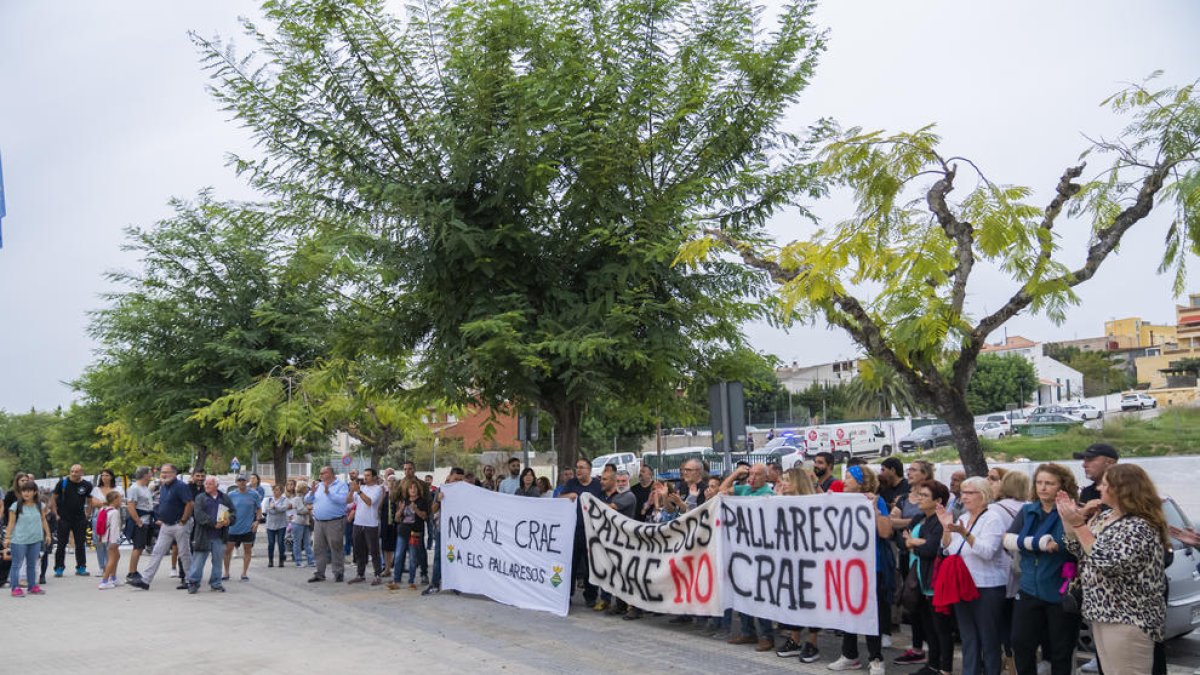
[(962, 234)]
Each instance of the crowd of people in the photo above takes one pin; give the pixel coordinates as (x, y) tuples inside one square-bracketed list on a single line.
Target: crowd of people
[(1007, 566)]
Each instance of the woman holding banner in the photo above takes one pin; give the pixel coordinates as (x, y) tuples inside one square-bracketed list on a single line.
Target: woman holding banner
[(924, 543), (861, 479), (978, 537), (798, 482)]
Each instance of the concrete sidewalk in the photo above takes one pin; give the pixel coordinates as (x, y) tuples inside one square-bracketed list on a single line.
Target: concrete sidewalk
[(277, 623)]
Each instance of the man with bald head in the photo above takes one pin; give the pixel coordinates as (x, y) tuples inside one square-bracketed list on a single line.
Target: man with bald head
[(209, 535), (173, 516), (71, 503), (754, 630)]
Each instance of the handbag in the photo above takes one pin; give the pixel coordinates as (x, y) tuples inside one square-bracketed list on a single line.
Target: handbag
[(1072, 600), (910, 593)]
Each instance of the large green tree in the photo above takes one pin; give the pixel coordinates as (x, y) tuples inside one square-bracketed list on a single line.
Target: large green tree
[(895, 273), (513, 180), (1000, 381)]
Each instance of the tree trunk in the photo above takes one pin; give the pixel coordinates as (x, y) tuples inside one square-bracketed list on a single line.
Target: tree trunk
[(279, 457), (201, 458), (567, 418), (958, 417), (381, 447)]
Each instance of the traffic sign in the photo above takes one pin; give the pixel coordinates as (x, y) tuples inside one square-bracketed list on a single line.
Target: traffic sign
[(347, 460)]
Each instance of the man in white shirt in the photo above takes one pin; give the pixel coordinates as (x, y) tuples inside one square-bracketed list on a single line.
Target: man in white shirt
[(509, 485), (366, 495)]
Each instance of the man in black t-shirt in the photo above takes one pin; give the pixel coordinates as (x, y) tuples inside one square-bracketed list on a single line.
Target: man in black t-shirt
[(892, 484), (72, 504), (642, 491), (581, 483), (1096, 460)]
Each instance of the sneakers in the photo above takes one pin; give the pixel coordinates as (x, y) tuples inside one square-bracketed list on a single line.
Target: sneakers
[(809, 653), (58, 571), (844, 663), (106, 585), (425, 579), (315, 579), (81, 572), (432, 590), (911, 656), (600, 606), (218, 589), (929, 670), (789, 648), (339, 578), (1090, 667), (876, 668), (140, 583), (133, 575), (356, 580), (193, 589), (36, 590), (376, 581), (18, 593)]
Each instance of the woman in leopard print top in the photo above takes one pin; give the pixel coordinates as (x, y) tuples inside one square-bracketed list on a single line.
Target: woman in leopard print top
[(1122, 551)]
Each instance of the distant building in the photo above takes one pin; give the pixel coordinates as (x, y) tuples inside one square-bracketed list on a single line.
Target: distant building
[(1103, 343), (1133, 332), (797, 378), (1187, 319), (1056, 381), (475, 428)]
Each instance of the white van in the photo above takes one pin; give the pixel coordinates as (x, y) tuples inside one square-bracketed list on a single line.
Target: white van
[(625, 461), (851, 439)]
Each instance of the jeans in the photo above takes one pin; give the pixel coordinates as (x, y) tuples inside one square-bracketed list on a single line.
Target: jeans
[(348, 542), (101, 549), (26, 554), (581, 569), (276, 537), (417, 556), (979, 626), (216, 549), (1036, 622), (66, 528), (302, 543), (765, 630)]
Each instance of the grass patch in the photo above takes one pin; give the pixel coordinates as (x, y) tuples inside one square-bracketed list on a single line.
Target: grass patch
[(1174, 432)]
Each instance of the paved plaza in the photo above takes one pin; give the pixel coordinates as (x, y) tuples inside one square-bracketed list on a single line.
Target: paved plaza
[(279, 623)]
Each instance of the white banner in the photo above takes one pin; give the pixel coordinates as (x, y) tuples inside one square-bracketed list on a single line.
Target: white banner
[(805, 561), (515, 550), (671, 568)]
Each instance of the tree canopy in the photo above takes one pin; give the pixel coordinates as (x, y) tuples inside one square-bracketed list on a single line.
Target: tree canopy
[(895, 273), (513, 181), (1000, 381)]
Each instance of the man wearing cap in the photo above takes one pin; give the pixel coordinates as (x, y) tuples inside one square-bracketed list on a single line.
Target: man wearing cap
[(1096, 460), (247, 508)]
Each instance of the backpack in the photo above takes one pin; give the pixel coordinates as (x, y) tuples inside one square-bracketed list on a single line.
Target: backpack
[(102, 523)]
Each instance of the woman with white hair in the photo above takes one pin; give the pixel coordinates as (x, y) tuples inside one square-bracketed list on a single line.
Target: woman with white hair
[(978, 537)]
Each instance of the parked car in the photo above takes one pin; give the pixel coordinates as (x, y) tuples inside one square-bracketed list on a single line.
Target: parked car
[(1048, 424), (1084, 411), (625, 461), (926, 437), (1048, 409), (1138, 401), (989, 430), (1183, 584), (1004, 422)]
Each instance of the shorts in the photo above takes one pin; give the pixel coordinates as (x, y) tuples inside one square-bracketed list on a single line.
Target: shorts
[(138, 536), (244, 538)]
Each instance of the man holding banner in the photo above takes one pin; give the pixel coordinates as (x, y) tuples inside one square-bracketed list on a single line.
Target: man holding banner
[(578, 486), (755, 485)]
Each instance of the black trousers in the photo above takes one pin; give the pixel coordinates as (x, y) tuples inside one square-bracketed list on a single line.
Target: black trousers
[(1035, 623), (582, 569), (65, 529), (366, 543), (939, 635), (874, 642)]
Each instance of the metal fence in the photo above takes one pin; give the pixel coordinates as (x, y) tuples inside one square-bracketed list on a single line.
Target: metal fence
[(294, 470)]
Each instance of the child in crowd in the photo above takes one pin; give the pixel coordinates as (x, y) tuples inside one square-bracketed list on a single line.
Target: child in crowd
[(27, 531), (109, 536)]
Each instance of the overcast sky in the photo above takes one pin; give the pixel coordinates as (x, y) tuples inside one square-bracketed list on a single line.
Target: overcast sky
[(104, 117)]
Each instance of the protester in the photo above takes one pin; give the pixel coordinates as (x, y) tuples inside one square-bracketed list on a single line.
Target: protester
[(106, 482), (456, 474), (302, 526), (139, 505), (565, 476), (797, 482), (823, 470), (862, 480), (1011, 492), (26, 531), (277, 521), (387, 520), (924, 544), (904, 513), (489, 481), (956, 506), (755, 484), (255, 484), (528, 487), (978, 537), (892, 481), (71, 506), (367, 496), (1122, 550), (642, 491), (1097, 459), (328, 499), (411, 515), (665, 503), (213, 510), (544, 487), (580, 568), (11, 498), (692, 484), (172, 515), (512, 482), (624, 503), (107, 536), (1036, 535), (247, 507)]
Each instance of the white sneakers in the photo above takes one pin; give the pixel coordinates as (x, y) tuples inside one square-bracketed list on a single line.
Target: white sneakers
[(1090, 667), (876, 668), (106, 584), (844, 663)]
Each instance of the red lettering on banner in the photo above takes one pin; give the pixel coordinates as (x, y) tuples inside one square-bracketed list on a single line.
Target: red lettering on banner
[(838, 584), (688, 582)]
